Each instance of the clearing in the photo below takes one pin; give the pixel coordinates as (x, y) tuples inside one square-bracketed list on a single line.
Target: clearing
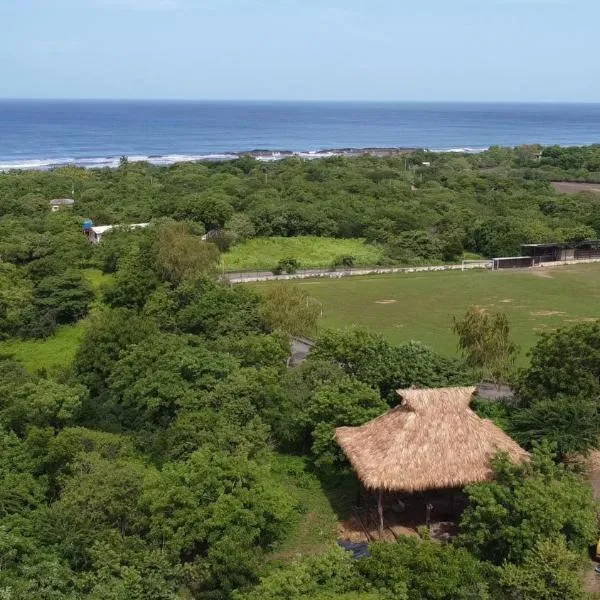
[(420, 306), (574, 187), (263, 254), (53, 352)]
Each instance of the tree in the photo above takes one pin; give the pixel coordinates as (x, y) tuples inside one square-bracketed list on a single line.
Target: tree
[(485, 342), (44, 403), (15, 296), (347, 402), (57, 300), (181, 256), (152, 381), (572, 425), (109, 333), (563, 363), (328, 574), (215, 310), (291, 309), (370, 358), (241, 227), (427, 570), (219, 511), (211, 208), (136, 277), (549, 572), (507, 517)]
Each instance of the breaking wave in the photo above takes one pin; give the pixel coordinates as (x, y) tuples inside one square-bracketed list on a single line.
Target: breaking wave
[(111, 162)]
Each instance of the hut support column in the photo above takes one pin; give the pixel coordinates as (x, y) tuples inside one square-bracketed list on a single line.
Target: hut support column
[(380, 513)]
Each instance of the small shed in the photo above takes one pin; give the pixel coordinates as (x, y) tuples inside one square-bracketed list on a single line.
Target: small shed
[(58, 203), (431, 441), (562, 251)]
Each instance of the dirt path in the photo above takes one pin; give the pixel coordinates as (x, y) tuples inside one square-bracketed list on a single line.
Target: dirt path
[(573, 187)]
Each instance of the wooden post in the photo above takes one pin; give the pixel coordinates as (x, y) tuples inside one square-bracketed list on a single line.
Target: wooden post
[(428, 510), (380, 513)]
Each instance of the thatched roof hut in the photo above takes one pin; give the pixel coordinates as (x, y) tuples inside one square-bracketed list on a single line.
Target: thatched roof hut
[(432, 440)]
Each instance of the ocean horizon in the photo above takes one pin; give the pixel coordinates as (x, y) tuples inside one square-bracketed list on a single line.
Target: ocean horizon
[(42, 134)]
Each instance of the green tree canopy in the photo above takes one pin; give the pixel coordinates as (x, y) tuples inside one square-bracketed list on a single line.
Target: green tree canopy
[(506, 518)]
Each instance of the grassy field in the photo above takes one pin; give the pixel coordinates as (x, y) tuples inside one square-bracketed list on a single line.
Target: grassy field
[(420, 306), (264, 253), (56, 351)]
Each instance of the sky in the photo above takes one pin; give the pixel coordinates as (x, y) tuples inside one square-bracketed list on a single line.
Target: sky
[(347, 50)]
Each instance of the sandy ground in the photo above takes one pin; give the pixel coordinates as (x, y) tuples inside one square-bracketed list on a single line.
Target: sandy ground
[(566, 187)]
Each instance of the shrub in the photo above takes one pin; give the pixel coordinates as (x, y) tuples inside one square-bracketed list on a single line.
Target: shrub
[(345, 260), (286, 265)]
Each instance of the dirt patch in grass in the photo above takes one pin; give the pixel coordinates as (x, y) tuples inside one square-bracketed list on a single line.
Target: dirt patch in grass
[(547, 313), (506, 301), (542, 273), (386, 301), (574, 187), (582, 320)]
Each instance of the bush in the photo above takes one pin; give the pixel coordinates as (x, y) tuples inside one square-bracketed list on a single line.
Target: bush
[(344, 260), (286, 265)]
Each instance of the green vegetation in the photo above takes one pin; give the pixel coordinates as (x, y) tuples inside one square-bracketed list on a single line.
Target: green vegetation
[(263, 254), (420, 306), (154, 443), (485, 342), (56, 351)]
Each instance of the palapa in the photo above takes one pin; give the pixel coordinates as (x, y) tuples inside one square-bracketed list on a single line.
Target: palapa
[(432, 440)]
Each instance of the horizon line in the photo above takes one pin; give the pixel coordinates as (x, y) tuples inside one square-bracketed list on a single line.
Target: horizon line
[(290, 101)]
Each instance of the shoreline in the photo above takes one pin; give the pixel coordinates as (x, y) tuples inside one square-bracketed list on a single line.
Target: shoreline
[(263, 155)]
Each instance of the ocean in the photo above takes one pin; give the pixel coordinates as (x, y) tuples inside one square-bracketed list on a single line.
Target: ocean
[(43, 134)]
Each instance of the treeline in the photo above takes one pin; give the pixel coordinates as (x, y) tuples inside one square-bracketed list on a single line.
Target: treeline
[(486, 204), (150, 468)]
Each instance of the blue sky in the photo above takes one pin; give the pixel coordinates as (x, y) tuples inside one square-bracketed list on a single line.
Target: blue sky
[(508, 50)]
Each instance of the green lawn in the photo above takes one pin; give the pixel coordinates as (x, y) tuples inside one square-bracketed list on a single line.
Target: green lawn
[(97, 278), (420, 306), (320, 505), (59, 349), (56, 351), (265, 253)]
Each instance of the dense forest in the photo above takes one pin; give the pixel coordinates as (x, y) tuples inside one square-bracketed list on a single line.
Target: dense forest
[(164, 463)]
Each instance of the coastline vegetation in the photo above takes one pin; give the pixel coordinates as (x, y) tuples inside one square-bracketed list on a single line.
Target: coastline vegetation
[(157, 442)]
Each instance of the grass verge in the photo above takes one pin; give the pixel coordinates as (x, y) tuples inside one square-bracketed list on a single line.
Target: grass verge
[(263, 254)]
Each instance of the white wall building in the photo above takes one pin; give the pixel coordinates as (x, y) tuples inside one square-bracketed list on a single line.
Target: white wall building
[(97, 232)]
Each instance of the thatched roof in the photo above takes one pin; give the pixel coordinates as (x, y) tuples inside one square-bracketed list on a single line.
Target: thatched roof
[(433, 440)]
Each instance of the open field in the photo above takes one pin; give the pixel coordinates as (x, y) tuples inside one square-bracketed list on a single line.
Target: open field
[(56, 351), (420, 306), (573, 187), (264, 253)]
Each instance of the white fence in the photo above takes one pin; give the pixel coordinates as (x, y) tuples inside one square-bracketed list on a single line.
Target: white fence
[(330, 274), (253, 277)]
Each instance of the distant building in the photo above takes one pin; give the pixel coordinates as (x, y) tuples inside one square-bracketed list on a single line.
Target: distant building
[(58, 203), (95, 233), (540, 253)]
